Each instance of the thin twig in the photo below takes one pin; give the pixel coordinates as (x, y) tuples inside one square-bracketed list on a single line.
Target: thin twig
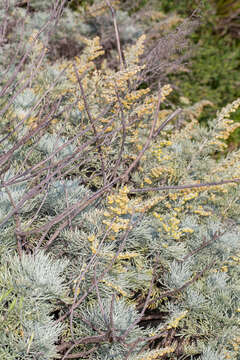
[(120, 53), (80, 354), (111, 324), (180, 187), (169, 118), (171, 293)]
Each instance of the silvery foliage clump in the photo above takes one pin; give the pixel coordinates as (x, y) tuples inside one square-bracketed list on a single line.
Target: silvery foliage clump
[(122, 317), (50, 143), (29, 288), (210, 354)]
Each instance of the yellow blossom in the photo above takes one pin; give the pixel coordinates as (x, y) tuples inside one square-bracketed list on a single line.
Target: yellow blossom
[(91, 238)]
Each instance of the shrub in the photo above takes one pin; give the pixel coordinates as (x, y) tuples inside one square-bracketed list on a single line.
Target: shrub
[(119, 228)]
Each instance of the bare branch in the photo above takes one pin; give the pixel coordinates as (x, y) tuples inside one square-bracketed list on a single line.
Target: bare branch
[(180, 187)]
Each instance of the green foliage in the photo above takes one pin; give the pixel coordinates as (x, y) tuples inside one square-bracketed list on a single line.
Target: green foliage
[(213, 69), (228, 15)]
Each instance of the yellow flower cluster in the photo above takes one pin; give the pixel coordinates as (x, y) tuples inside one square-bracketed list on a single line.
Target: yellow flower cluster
[(174, 323), (190, 196), (187, 230), (133, 52), (38, 45), (134, 96), (159, 170), (147, 180), (148, 204), (122, 76), (93, 49), (33, 37), (127, 255), (111, 81), (93, 243), (230, 127), (171, 227), (118, 205), (149, 104), (121, 200), (229, 166), (236, 344), (226, 111), (123, 256), (236, 258), (85, 61), (115, 287), (146, 107), (158, 153), (224, 268), (165, 91), (202, 212), (154, 354), (81, 67), (225, 126), (32, 122), (103, 83)]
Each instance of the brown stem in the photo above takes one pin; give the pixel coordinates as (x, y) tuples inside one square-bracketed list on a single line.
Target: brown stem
[(180, 187), (120, 53)]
